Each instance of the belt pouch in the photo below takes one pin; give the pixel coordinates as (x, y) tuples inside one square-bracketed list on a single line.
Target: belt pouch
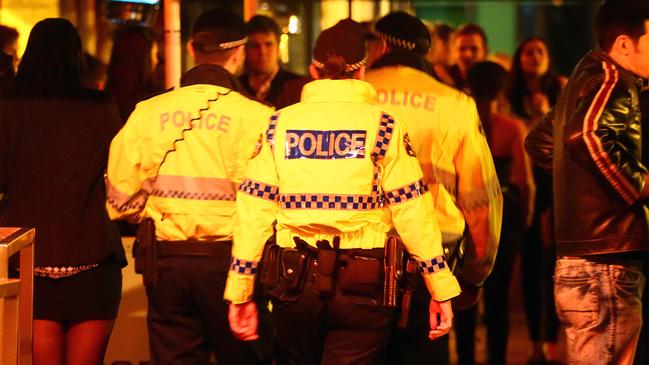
[(293, 268), (361, 276), (269, 270), (326, 269)]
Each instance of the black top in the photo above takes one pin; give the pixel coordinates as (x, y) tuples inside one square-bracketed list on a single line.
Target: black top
[(275, 86), (53, 154)]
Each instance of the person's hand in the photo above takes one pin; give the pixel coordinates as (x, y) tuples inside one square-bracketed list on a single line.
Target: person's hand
[(539, 103), (441, 318), (243, 320)]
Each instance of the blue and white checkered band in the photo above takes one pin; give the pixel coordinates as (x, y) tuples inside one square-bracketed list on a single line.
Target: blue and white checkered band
[(270, 132), (383, 135), (331, 201), (244, 267), (433, 265), (405, 193), (260, 190), (324, 145)]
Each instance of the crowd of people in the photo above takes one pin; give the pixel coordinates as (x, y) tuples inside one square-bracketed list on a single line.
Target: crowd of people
[(268, 202)]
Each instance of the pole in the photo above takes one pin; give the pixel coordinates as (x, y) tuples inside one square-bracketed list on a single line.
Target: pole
[(172, 43)]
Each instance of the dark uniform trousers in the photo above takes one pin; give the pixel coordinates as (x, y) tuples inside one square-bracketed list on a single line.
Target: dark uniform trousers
[(188, 318), (336, 330), (411, 345)]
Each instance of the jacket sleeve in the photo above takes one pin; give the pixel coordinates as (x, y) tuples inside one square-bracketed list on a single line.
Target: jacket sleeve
[(257, 205), (603, 135), (412, 210), (249, 141), (480, 200), (539, 142), (127, 180)]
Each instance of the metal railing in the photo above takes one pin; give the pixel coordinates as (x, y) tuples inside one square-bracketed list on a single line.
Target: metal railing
[(16, 304)]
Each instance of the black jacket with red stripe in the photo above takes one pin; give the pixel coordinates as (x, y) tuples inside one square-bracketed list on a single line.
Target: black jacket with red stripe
[(592, 142)]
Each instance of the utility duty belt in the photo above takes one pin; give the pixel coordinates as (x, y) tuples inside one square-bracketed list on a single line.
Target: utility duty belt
[(369, 275), (147, 250)]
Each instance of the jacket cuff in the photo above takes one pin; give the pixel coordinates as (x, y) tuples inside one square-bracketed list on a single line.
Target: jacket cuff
[(239, 288), (442, 285)]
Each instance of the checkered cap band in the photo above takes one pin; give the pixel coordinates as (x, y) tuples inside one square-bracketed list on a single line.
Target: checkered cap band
[(395, 41), (331, 201), (244, 267), (348, 66), (433, 265), (405, 193), (383, 135), (260, 190)]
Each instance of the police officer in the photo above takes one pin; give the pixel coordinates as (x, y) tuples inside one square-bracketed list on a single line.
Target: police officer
[(337, 173), (178, 160), (445, 130)]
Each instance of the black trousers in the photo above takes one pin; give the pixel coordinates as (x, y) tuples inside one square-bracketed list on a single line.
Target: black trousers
[(188, 318), (537, 268), (496, 305), (330, 331), (411, 345)]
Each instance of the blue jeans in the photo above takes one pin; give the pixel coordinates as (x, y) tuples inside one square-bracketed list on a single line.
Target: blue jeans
[(600, 306)]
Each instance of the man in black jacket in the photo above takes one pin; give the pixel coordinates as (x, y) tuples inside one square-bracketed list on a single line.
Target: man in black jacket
[(591, 141), (264, 77)]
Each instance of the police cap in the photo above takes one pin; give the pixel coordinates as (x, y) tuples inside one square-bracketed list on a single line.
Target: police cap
[(218, 30), (345, 39), (400, 29)]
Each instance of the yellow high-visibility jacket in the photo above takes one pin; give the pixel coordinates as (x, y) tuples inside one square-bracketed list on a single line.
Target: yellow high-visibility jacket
[(446, 133), (191, 195), (335, 164)]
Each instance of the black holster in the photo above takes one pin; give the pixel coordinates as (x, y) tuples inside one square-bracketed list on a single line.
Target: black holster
[(283, 272), (144, 252)]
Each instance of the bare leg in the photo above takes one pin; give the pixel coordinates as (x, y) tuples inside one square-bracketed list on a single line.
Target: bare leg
[(86, 342), (49, 340)]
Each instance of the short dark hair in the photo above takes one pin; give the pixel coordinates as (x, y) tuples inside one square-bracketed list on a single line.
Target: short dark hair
[(486, 79), (8, 35), (617, 17), (262, 24), (470, 29), (442, 30)]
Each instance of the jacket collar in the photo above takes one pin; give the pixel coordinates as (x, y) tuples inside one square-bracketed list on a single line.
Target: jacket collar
[(211, 75), (348, 90), (403, 58), (599, 56)]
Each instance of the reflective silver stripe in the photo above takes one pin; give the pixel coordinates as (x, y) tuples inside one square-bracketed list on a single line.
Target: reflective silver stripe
[(169, 186), (121, 201), (479, 197), (195, 188), (448, 180)]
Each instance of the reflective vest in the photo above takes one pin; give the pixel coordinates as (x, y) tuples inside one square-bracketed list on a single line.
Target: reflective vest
[(335, 165), (179, 158), (447, 136)]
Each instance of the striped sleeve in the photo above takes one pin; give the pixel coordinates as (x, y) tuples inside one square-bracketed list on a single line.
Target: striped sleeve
[(610, 137)]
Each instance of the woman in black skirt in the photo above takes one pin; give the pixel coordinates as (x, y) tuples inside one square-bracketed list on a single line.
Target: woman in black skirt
[(54, 139)]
